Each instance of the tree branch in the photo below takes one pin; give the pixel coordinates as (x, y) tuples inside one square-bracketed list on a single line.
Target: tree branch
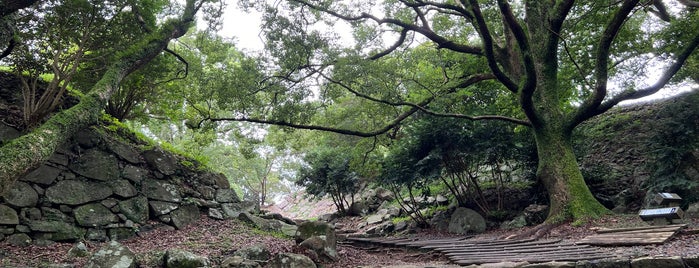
[(590, 105), (21, 154), (689, 3), (488, 48)]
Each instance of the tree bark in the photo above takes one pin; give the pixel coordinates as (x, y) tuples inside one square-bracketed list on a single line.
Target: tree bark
[(26, 152), (558, 170)]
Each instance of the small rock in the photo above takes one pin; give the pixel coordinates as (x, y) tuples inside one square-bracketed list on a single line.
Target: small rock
[(175, 258), (290, 260)]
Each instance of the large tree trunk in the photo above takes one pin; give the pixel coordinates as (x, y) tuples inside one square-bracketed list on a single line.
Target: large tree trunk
[(26, 152), (569, 196)]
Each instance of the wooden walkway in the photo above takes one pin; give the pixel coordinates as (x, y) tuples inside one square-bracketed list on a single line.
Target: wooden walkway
[(649, 235), (465, 251)]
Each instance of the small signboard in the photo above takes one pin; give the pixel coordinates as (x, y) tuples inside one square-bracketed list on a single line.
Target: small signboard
[(666, 213), (665, 199)]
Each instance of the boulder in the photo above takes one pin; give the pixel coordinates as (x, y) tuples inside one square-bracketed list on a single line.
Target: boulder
[(112, 255), (21, 194), (94, 215), (375, 219), (653, 262), (536, 214), (185, 215), (161, 208), (20, 240), (161, 191), (518, 222), (290, 260), (239, 262), (120, 233), (692, 211), (176, 258), (258, 252), (52, 214), (134, 174), (8, 216), (226, 196), (216, 180), (319, 237), (465, 220), (44, 175), (268, 225), (78, 250), (358, 208), (279, 217), (96, 164), (135, 209), (233, 210), (122, 188), (163, 162), (124, 151), (73, 192), (604, 263), (57, 230), (691, 261)]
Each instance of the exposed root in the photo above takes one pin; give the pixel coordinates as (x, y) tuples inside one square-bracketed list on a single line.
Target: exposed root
[(534, 233)]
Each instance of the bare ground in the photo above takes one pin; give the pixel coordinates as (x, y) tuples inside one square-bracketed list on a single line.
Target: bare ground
[(220, 239)]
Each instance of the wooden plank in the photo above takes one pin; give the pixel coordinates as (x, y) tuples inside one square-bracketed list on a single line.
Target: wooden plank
[(526, 253), (626, 241), (605, 230), (533, 259), (481, 243), (510, 251), (497, 246)]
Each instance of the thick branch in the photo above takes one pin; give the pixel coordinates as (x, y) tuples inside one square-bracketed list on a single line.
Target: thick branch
[(10, 6), (662, 81), (441, 41), (488, 47), (22, 154), (602, 61), (689, 3)]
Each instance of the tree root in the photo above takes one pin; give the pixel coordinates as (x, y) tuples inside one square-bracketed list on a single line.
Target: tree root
[(534, 233)]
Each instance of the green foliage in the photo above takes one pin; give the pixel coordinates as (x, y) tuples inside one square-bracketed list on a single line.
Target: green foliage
[(328, 173), (673, 147)]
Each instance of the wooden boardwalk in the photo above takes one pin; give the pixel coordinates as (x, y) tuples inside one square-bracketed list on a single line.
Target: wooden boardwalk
[(468, 251), (465, 251), (649, 235)]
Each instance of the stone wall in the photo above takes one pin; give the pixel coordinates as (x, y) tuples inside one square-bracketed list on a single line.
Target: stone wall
[(102, 185)]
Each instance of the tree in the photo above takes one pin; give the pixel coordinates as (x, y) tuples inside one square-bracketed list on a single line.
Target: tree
[(21, 154), (559, 63), (328, 173)]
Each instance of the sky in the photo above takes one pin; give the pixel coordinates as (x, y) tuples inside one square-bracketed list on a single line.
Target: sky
[(243, 26)]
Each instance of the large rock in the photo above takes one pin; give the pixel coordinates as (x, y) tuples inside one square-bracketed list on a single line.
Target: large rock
[(161, 208), (319, 237), (44, 175), (217, 180), (465, 220), (113, 255), (226, 196), (239, 262), (123, 188), (268, 225), (185, 215), (163, 162), (692, 211), (258, 252), (21, 195), (134, 174), (232, 210), (73, 192), (57, 230), (161, 191), (8, 216), (290, 260), (604, 263), (176, 258), (98, 165), (94, 215), (654, 262), (124, 151), (135, 209)]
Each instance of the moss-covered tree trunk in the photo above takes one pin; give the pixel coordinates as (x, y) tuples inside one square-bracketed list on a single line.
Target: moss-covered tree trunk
[(20, 155), (558, 170)]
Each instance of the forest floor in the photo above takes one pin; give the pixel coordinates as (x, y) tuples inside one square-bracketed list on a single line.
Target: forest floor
[(220, 239)]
